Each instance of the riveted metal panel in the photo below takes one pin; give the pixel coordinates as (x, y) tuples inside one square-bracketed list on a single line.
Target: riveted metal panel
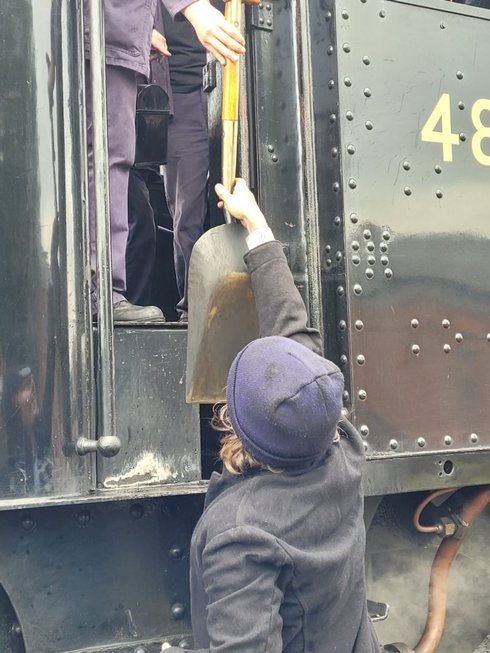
[(105, 577), (416, 230), (160, 433)]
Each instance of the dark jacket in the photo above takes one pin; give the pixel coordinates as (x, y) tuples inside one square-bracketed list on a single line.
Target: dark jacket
[(277, 560), (128, 26)]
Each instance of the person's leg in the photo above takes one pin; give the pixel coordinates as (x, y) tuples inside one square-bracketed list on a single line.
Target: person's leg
[(121, 90), (140, 250), (186, 175)]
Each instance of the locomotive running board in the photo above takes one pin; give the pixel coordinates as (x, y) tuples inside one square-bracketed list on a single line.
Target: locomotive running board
[(222, 313)]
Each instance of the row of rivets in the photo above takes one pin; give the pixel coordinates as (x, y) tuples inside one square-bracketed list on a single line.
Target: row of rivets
[(408, 191)]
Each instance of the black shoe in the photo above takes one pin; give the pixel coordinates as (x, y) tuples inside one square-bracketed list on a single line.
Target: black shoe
[(126, 312)]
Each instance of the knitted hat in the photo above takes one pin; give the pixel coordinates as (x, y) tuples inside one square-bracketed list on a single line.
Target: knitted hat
[(284, 401)]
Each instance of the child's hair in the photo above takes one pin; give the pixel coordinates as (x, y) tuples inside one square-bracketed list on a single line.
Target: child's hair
[(234, 456)]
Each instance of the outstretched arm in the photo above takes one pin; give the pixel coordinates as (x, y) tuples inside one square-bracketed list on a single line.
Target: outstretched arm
[(280, 308)]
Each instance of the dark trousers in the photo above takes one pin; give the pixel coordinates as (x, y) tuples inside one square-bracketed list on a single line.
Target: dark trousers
[(140, 251), (186, 177), (121, 111)]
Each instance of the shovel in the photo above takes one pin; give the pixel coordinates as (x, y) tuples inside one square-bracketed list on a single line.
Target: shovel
[(222, 313)]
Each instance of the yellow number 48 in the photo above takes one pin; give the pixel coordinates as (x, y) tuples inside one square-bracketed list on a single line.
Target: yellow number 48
[(442, 114)]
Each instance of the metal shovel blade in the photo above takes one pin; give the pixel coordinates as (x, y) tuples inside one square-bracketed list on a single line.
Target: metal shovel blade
[(222, 313)]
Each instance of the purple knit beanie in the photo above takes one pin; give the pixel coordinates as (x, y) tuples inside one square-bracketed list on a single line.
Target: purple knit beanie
[(284, 401)]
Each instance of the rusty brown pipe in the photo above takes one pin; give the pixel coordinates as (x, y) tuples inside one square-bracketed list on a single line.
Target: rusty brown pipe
[(447, 551)]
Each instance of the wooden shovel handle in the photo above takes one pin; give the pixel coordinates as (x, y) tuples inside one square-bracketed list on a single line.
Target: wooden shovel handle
[(231, 71)]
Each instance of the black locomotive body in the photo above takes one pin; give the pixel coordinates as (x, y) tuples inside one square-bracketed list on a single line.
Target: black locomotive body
[(367, 140)]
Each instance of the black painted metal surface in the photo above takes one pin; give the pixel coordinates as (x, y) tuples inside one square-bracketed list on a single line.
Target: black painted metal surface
[(160, 433), (108, 575), (404, 229), (45, 350)]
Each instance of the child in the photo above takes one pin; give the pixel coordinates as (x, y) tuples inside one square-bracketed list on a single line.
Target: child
[(277, 558)]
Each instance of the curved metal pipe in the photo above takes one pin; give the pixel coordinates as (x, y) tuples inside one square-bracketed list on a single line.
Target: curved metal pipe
[(448, 549), (436, 528)]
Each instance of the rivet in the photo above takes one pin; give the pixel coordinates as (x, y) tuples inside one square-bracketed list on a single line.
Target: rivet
[(351, 149), (357, 289), (439, 193), (421, 442), (366, 446), (27, 522), (340, 291), (352, 183), (175, 551), (488, 337), (355, 245), (415, 350), (343, 359), (459, 74), (360, 359), (461, 105), (328, 16), (274, 158), (261, 20), (407, 190), (83, 517), (446, 323), (367, 234), (448, 440), (447, 349), (414, 323), (369, 273), (382, 13), (359, 324), (333, 119), (388, 273), (328, 262), (406, 165), (338, 256), (369, 125), (366, 60), (370, 246), (362, 394), (367, 92), (334, 151), (330, 50), (345, 14), (386, 235), (458, 337), (474, 438), (345, 395), (328, 248), (462, 137), (384, 260), (184, 643), (342, 325), (393, 444), (356, 259), (349, 115), (139, 649), (270, 148), (336, 187), (346, 47), (353, 218), (347, 81), (383, 247), (177, 610), (438, 169), (442, 25), (337, 221), (268, 7), (364, 430), (371, 259), (136, 511), (331, 84)]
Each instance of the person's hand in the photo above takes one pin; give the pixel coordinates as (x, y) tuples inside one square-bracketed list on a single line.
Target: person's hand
[(241, 205), (158, 45), (216, 34)]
